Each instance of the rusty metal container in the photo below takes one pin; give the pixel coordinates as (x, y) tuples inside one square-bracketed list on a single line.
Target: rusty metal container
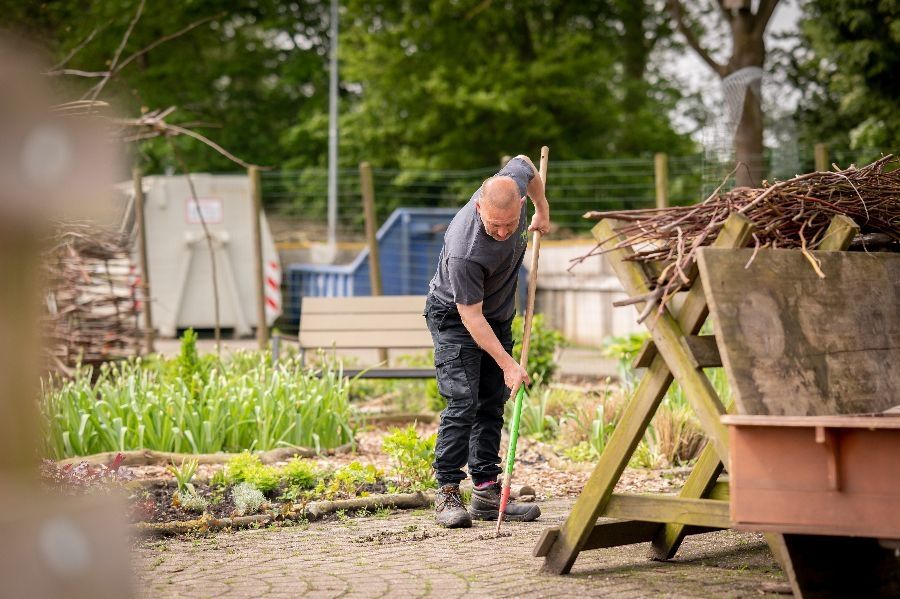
[(821, 475)]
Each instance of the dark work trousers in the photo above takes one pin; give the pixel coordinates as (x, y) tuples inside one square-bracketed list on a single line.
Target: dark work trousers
[(471, 383)]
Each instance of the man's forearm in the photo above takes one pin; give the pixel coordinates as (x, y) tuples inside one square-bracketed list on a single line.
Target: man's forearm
[(484, 336)]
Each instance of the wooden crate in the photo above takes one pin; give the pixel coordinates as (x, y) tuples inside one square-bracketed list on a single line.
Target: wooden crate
[(822, 475)]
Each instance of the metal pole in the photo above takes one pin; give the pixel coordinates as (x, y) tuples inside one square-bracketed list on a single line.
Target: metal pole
[(368, 198), (142, 252), (333, 128), (661, 177), (262, 329)]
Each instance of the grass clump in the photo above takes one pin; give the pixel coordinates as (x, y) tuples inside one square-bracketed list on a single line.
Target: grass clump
[(352, 480)]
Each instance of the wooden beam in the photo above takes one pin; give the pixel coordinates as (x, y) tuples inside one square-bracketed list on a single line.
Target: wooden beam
[(613, 533), (703, 348), (839, 234), (637, 414), (664, 509)]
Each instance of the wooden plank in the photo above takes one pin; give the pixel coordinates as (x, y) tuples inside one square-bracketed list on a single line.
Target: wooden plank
[(795, 344), (664, 509), (365, 339), (669, 339), (868, 421), (613, 533), (390, 373), (385, 304), (703, 348), (637, 414), (363, 322)]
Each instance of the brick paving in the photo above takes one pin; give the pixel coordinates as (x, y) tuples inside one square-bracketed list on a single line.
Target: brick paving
[(406, 555)]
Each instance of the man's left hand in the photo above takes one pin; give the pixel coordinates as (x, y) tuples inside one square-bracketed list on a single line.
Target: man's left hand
[(540, 222)]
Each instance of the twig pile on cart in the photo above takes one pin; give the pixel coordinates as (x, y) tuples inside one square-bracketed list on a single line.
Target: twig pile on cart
[(791, 214), (92, 303)]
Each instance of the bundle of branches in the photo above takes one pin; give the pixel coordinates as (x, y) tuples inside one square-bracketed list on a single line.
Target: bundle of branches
[(787, 214), (92, 300)]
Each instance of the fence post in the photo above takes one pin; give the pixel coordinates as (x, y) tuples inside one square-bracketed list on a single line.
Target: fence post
[(367, 188), (262, 330), (821, 157), (661, 177), (138, 180)]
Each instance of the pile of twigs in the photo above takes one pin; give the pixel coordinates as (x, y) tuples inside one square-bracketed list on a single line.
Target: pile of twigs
[(93, 299), (788, 214)]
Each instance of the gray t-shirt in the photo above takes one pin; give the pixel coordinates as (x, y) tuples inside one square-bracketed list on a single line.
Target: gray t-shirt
[(473, 266)]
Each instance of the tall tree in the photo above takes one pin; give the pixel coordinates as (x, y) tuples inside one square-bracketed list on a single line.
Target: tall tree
[(747, 28)]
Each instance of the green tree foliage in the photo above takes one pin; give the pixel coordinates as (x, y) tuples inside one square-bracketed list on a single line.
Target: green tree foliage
[(456, 84), (846, 66), (242, 78), (425, 83)]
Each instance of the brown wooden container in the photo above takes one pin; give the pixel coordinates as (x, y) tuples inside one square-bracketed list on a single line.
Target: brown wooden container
[(822, 475)]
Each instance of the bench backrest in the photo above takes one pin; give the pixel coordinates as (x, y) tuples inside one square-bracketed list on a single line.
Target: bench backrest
[(388, 321), (793, 343)]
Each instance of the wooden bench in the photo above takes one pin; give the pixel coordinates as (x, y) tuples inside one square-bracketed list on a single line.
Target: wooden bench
[(383, 323)]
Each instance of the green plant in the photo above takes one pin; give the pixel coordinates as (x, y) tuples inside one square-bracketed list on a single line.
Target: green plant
[(412, 457), (542, 349), (184, 474), (246, 467), (349, 481), (247, 499), (192, 404), (218, 479), (300, 473), (536, 421), (624, 349), (191, 501)]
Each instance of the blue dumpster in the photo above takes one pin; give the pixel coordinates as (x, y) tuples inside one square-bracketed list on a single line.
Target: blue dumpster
[(409, 244)]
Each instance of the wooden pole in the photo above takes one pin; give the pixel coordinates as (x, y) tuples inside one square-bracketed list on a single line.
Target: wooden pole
[(821, 157), (140, 218), (262, 330), (368, 199), (661, 176)]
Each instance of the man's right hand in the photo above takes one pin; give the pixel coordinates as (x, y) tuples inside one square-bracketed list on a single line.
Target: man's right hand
[(514, 375)]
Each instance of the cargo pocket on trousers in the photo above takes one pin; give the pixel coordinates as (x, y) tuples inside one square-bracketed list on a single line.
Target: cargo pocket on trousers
[(451, 376)]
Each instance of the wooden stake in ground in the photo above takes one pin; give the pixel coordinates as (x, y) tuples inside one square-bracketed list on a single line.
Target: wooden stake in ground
[(523, 360)]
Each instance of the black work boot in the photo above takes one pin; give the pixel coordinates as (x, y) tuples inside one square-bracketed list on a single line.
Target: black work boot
[(486, 506), (449, 510)]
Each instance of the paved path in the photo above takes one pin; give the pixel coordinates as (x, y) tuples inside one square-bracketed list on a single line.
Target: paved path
[(405, 555)]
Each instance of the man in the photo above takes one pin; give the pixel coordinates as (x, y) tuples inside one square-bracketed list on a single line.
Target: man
[(469, 310)]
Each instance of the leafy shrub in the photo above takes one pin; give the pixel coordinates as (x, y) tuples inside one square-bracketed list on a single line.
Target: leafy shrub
[(247, 499), (300, 473), (246, 467), (412, 457), (542, 350), (349, 481)]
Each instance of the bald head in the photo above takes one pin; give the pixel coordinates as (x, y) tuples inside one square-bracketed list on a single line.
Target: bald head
[(500, 207), (501, 193)]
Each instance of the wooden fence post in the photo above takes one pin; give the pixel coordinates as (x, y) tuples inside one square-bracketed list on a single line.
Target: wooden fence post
[(149, 334), (821, 157), (262, 329), (661, 177), (368, 199)]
